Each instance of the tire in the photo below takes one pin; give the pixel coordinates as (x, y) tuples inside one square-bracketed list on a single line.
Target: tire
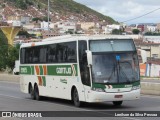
[(117, 103), (31, 90), (75, 97), (17, 73), (36, 93)]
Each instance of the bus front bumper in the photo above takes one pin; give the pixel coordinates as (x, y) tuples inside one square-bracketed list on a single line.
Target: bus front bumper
[(95, 96)]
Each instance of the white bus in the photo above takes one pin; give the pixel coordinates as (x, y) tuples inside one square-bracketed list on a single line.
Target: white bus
[(81, 68)]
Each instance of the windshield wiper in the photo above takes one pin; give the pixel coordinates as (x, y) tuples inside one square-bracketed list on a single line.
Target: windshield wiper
[(123, 73)]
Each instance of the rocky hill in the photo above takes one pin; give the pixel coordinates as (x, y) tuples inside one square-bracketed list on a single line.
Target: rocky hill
[(60, 10)]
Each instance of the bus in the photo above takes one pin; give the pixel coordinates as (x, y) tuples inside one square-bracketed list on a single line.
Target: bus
[(81, 68)]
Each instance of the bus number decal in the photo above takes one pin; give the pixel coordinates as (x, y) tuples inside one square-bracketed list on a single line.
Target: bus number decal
[(23, 70)]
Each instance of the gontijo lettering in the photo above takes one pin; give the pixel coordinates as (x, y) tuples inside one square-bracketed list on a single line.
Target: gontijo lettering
[(63, 70)]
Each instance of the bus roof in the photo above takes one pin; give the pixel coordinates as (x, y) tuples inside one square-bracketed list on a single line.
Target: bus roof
[(67, 38)]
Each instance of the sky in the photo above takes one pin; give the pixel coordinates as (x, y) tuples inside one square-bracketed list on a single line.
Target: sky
[(123, 10)]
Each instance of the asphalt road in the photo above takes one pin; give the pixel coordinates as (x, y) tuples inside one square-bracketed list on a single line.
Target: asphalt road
[(11, 99)]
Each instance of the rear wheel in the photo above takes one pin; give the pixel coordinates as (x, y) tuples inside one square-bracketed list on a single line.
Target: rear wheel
[(75, 96), (31, 91), (36, 93), (117, 103)]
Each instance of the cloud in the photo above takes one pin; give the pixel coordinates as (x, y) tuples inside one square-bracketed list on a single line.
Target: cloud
[(122, 10)]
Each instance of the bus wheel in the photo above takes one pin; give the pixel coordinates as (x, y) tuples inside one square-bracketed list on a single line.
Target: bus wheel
[(117, 103), (31, 91), (76, 101), (36, 93)]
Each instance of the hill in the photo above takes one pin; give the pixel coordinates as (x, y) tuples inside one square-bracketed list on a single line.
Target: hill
[(60, 9)]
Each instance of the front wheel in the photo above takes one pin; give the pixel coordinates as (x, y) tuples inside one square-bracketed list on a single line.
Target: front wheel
[(117, 103), (76, 101)]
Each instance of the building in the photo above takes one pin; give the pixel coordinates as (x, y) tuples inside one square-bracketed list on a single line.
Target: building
[(151, 28), (87, 25), (153, 50), (153, 39), (108, 29), (47, 34)]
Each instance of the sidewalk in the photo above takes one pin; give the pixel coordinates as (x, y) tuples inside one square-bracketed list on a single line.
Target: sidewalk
[(9, 77), (150, 86)]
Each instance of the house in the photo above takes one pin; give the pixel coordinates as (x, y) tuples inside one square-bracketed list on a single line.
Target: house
[(65, 26), (3, 23), (108, 29), (158, 27), (141, 27), (86, 25), (47, 34), (151, 28)]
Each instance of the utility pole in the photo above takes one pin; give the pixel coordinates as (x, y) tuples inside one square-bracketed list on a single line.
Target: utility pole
[(48, 13), (150, 63)]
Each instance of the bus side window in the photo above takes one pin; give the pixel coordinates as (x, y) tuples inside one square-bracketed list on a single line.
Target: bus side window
[(84, 70), (22, 56), (66, 52), (43, 52), (36, 54), (28, 55), (51, 53)]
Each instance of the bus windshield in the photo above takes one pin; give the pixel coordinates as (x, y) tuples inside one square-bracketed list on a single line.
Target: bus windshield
[(115, 64), (115, 68)]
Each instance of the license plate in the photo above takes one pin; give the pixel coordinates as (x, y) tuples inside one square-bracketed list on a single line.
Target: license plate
[(118, 96)]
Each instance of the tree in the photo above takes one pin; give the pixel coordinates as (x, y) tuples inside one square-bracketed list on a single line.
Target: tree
[(3, 39), (13, 54), (23, 32), (8, 54), (135, 31), (116, 31), (21, 4), (3, 56), (29, 2), (69, 32), (36, 19), (3, 50), (46, 19)]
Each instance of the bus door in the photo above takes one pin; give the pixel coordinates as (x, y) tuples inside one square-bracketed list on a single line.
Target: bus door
[(84, 69)]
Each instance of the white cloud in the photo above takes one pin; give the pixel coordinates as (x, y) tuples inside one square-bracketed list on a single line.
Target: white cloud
[(122, 10)]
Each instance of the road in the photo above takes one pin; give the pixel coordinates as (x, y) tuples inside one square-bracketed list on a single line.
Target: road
[(11, 99)]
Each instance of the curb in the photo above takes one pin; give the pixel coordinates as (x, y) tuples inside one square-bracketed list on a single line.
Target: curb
[(150, 79), (8, 77), (150, 88)]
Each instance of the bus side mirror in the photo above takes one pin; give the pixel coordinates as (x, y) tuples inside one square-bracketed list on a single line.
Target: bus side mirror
[(89, 57)]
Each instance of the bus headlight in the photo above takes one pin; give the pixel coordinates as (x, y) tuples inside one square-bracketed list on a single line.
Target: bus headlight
[(135, 87), (98, 89)]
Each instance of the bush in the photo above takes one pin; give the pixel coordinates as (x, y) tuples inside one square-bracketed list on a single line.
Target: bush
[(8, 55)]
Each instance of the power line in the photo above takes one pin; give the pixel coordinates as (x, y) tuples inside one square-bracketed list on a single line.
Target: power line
[(142, 15)]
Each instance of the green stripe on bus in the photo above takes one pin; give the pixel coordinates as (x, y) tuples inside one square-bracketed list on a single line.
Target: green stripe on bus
[(103, 86), (32, 67), (44, 80), (97, 85), (41, 70), (56, 70)]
